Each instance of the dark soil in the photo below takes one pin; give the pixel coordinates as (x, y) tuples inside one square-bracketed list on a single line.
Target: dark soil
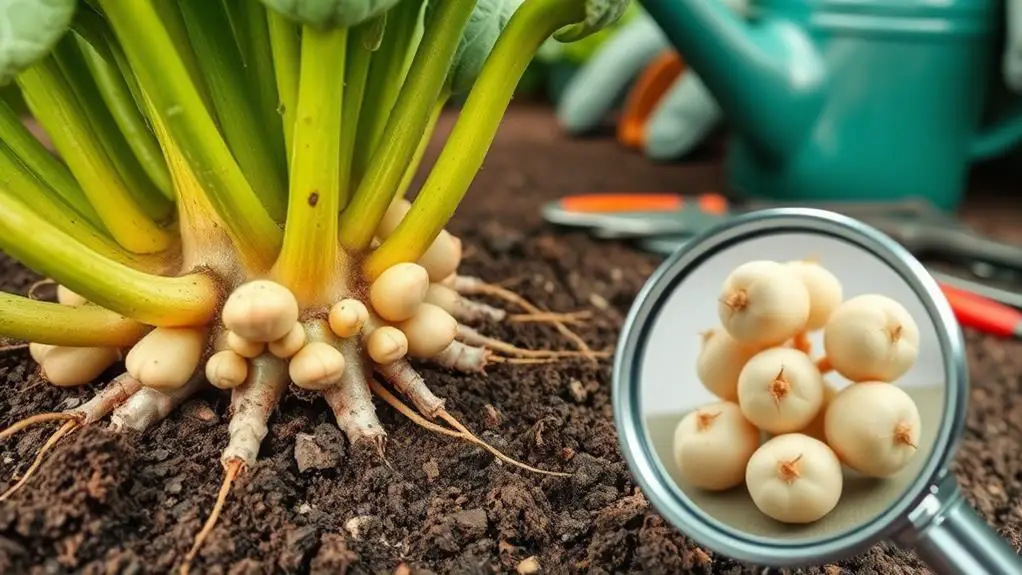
[(103, 503)]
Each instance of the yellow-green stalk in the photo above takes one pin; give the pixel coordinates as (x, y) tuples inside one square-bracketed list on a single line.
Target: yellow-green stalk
[(470, 139)]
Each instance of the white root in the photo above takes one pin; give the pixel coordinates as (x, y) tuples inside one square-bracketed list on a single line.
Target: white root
[(463, 309), (470, 336), (406, 380), (352, 402), (463, 357), (251, 404), (148, 406), (118, 391), (468, 285)]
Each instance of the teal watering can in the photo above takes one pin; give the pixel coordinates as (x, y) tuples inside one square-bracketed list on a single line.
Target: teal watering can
[(848, 99)]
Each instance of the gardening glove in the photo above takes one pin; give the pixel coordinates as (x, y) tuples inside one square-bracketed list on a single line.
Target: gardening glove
[(1011, 62), (600, 83), (686, 114)]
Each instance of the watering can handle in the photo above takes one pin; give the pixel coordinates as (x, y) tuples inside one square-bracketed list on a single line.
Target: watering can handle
[(998, 138)]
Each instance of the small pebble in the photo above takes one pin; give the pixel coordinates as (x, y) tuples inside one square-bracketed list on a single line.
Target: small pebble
[(578, 391), (356, 525), (199, 411), (311, 454), (528, 566), (431, 469), (598, 301), (174, 486)]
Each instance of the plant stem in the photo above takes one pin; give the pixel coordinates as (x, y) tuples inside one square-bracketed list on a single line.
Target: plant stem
[(477, 124), (284, 43), (413, 167), (189, 300), (18, 184), (253, 37), (164, 78), (309, 259), (209, 30), (56, 324), (137, 183), (44, 165), (386, 77), (119, 100), (173, 23), (205, 240), (55, 106), (406, 124), (356, 72)]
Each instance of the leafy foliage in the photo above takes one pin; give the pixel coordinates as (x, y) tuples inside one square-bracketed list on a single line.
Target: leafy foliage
[(330, 13), (29, 29), (599, 15)]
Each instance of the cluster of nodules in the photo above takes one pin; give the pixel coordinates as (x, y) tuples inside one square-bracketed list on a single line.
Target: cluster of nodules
[(262, 316), (758, 364)]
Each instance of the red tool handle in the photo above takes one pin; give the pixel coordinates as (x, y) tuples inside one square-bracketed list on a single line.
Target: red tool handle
[(983, 314)]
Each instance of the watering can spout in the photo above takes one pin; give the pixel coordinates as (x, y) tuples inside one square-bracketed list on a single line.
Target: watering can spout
[(765, 77)]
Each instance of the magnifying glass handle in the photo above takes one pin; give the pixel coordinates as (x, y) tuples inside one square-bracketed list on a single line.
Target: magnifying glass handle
[(950, 537)]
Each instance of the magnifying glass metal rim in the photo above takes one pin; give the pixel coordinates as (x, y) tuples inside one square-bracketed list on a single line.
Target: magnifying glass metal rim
[(633, 435)]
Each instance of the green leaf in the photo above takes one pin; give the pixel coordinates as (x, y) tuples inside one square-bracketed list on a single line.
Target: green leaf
[(599, 15), (488, 20), (29, 30), (330, 13)]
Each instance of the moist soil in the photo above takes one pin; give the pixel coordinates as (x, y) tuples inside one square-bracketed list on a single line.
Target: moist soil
[(107, 503)]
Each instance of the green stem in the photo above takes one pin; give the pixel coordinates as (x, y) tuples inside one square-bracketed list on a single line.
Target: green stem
[(116, 93), (18, 184), (209, 30), (162, 301), (477, 124), (309, 258), (55, 324), (413, 167), (55, 106), (76, 73), (44, 165), (356, 72), (253, 36), (406, 124), (284, 43), (386, 77), (173, 23), (163, 76)]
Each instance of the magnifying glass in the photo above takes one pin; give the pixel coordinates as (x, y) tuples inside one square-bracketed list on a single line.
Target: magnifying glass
[(789, 390)]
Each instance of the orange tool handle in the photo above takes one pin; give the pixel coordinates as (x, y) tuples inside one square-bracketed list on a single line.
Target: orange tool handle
[(983, 314)]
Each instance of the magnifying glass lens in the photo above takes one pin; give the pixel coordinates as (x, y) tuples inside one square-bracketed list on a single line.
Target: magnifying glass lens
[(793, 387)]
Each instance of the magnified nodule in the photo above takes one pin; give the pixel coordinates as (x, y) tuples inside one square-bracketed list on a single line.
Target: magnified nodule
[(794, 478), (713, 444), (871, 337), (874, 428), (764, 303)]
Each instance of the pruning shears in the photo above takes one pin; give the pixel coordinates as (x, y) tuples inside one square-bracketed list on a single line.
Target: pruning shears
[(662, 222)]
